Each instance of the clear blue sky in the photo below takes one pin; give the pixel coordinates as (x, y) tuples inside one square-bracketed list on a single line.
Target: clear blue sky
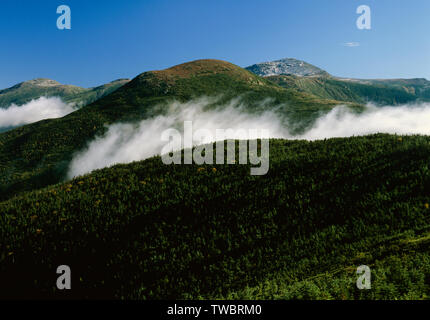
[(120, 39)]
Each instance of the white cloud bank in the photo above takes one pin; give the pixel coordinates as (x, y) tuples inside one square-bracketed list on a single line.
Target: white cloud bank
[(35, 110), (341, 122), (124, 143)]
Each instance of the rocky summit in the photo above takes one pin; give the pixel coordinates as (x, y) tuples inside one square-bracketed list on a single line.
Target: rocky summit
[(286, 66)]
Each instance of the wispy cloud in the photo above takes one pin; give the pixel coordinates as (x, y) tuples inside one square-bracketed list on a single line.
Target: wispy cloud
[(351, 44)]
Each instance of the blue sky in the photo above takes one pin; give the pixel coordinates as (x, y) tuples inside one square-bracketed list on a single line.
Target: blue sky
[(120, 39)]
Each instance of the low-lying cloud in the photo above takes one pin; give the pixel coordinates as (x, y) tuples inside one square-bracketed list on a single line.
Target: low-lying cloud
[(341, 122), (33, 111), (125, 142)]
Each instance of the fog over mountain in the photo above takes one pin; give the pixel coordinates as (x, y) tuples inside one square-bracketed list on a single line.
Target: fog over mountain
[(341, 122), (35, 110), (126, 142)]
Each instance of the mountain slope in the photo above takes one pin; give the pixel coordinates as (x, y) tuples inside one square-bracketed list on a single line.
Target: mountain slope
[(381, 92), (38, 154), (148, 230), (419, 87), (286, 66), (92, 94), (29, 90)]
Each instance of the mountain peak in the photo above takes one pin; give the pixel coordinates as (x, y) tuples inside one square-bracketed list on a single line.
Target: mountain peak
[(190, 71), (42, 82), (201, 67), (286, 66)]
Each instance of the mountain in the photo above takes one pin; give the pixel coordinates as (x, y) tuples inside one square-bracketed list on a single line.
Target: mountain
[(92, 94), (380, 92), (147, 230), (301, 76), (26, 91), (286, 66), (38, 154), (417, 87)]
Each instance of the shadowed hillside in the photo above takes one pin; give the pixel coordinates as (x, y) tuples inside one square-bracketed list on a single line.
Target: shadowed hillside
[(152, 231)]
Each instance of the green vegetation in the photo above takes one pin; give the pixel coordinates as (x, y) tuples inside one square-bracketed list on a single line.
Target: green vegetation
[(38, 154), (26, 91), (147, 230), (400, 271), (381, 92), (93, 94), (151, 231)]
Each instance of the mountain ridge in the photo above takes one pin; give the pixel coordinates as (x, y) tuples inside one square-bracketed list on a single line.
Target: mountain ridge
[(304, 77), (26, 91)]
